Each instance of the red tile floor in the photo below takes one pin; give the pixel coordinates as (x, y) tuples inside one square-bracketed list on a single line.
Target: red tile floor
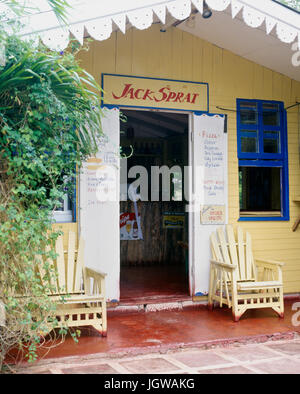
[(155, 282), (149, 332), (186, 326), (194, 326)]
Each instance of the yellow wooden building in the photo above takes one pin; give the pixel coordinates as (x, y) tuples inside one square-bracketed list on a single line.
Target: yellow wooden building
[(242, 63)]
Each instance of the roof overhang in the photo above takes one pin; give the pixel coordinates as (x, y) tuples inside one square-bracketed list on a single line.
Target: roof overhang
[(252, 44), (260, 30)]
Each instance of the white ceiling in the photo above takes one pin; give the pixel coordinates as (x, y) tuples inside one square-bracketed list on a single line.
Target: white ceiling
[(251, 43)]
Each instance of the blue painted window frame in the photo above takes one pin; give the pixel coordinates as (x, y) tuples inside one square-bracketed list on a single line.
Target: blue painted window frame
[(262, 159)]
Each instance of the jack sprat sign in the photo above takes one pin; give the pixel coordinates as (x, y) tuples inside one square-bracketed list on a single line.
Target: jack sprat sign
[(128, 91)]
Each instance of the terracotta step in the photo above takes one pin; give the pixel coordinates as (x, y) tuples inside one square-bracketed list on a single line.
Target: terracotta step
[(154, 304)]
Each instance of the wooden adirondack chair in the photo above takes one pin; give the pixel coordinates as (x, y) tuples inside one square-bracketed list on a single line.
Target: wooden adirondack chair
[(239, 281), (84, 288)]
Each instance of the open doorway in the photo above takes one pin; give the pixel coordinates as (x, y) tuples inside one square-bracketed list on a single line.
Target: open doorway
[(154, 229)]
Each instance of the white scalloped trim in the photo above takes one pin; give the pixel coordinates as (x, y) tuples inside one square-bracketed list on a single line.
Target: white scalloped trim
[(120, 21), (141, 19), (270, 24), (218, 5), (160, 12), (236, 7), (199, 5), (252, 17), (101, 28), (286, 33), (180, 9), (57, 39), (78, 32)]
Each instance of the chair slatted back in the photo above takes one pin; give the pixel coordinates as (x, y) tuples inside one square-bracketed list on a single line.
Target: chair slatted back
[(237, 250), (68, 266), (79, 267), (60, 265)]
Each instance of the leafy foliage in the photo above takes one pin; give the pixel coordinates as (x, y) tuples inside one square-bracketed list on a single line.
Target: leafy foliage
[(59, 7), (295, 4), (50, 121)]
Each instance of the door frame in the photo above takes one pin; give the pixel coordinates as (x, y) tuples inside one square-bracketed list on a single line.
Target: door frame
[(206, 229), (190, 176)]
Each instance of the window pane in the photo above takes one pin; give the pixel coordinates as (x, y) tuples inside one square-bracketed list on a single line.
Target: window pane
[(271, 113), (260, 189), (249, 144), (249, 104), (270, 145), (271, 118), (271, 106), (251, 131), (248, 116), (248, 112)]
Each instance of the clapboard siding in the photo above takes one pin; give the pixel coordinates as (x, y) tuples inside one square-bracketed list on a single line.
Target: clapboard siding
[(179, 55)]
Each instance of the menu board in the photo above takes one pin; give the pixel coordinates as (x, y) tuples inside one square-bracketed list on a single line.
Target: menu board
[(210, 193), (101, 182), (213, 162), (211, 145)]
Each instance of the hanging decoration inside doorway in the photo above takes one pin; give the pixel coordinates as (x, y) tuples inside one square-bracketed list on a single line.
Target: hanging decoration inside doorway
[(129, 229), (130, 222)]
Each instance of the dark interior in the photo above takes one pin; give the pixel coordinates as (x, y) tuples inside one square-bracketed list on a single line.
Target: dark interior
[(156, 265)]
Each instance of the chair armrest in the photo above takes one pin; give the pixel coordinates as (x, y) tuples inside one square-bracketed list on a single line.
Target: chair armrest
[(268, 263), (90, 272), (224, 265), (98, 279), (271, 266)]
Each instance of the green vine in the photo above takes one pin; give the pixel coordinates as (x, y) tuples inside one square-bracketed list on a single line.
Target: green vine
[(50, 122)]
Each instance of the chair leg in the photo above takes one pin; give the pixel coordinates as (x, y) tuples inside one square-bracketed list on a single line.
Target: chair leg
[(210, 304), (236, 317), (100, 331), (281, 303), (101, 327), (279, 311), (236, 313), (104, 318), (281, 315)]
